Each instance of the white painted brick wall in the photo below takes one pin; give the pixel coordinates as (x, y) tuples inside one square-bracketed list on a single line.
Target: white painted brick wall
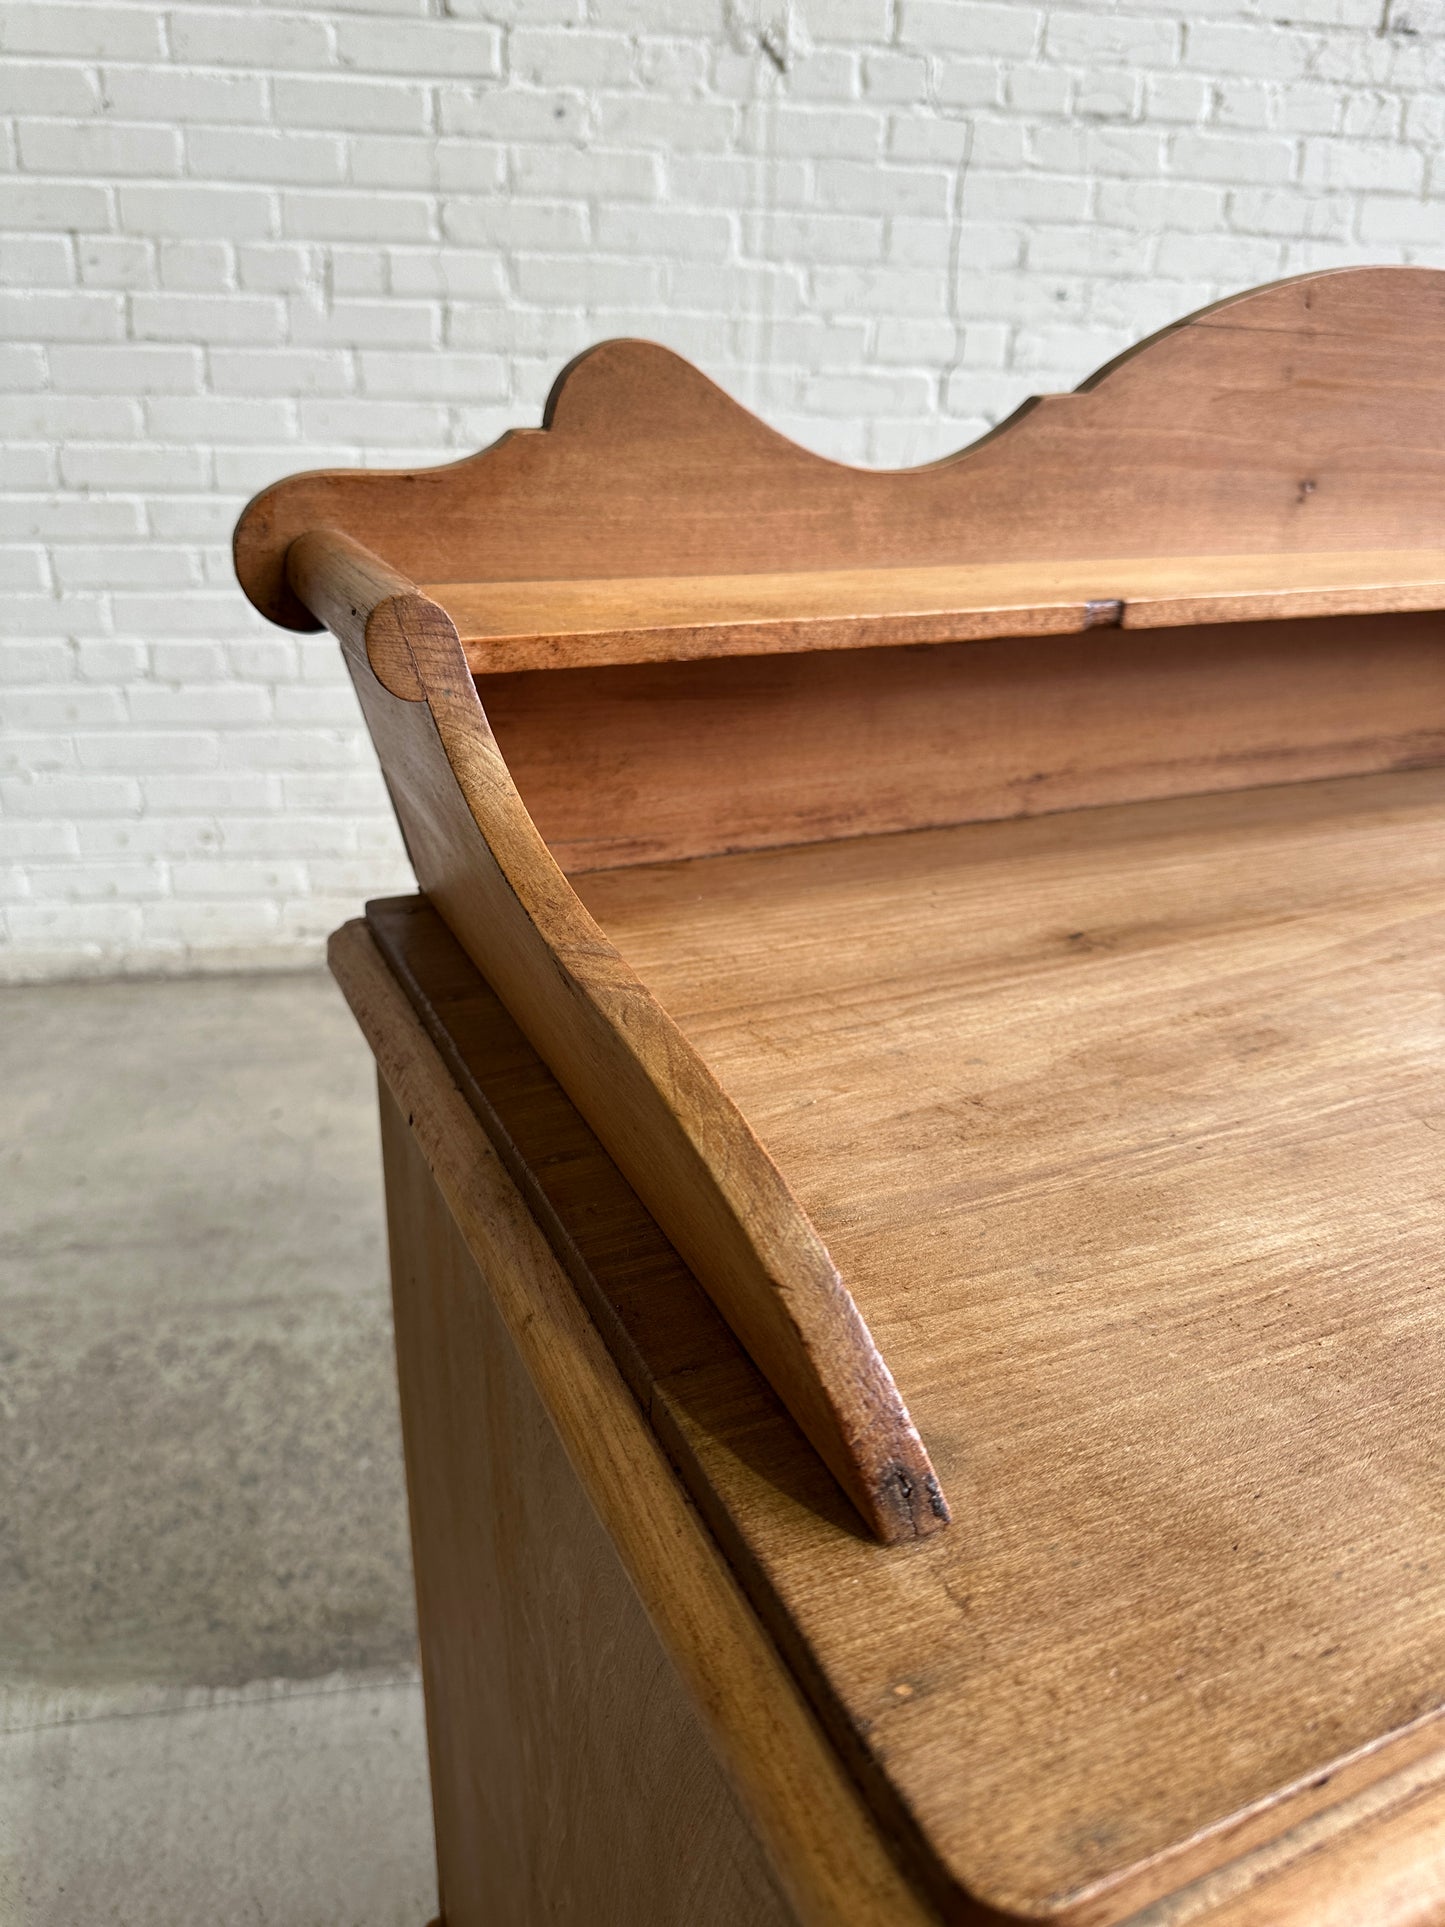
[(245, 239)]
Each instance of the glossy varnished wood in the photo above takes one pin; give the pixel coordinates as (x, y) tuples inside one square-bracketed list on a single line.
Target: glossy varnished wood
[(549, 625)]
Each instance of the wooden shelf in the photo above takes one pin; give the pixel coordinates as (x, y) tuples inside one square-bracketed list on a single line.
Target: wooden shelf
[(590, 623)]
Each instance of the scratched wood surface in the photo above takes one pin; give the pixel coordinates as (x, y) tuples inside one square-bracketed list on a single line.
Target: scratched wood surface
[(1125, 1126), (549, 625), (1307, 416)]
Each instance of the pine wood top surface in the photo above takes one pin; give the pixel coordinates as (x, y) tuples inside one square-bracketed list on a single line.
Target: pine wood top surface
[(542, 625), (1124, 1127)]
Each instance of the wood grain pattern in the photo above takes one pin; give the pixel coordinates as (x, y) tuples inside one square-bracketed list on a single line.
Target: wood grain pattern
[(1304, 417), (655, 761), (804, 1808), (685, 1147), (1120, 1122), (1377, 1856), (565, 1752), (372, 610), (1123, 1124), (507, 626), (1391, 1873), (758, 1484)]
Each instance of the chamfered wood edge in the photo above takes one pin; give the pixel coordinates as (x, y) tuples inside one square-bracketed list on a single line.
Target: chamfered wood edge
[(598, 388), (1360, 1859), (685, 1147), (812, 1819)]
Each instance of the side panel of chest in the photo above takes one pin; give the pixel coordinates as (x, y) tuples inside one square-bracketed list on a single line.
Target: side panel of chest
[(572, 1780)]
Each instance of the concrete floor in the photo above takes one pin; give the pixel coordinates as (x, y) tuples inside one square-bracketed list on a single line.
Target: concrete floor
[(208, 1698)]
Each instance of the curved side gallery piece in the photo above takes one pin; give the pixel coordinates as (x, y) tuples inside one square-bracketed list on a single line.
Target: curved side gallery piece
[(1305, 418), (683, 1145)]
